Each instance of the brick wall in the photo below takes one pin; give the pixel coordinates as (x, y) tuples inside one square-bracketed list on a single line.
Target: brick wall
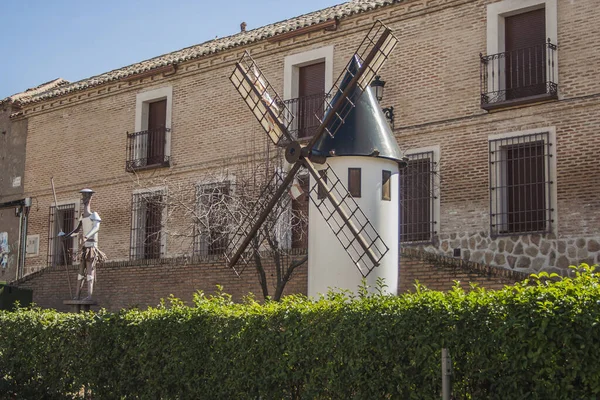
[(432, 82), (126, 284)]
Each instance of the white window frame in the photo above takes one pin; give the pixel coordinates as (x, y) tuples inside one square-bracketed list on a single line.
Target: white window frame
[(142, 107), (496, 14), (163, 234), (551, 191), (436, 217), (291, 71), (223, 179), (75, 246)]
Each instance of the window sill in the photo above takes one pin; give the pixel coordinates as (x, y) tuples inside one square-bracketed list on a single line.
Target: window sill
[(540, 98), (131, 167)]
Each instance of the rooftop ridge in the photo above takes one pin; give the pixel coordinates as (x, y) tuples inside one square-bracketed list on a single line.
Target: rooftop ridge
[(215, 45)]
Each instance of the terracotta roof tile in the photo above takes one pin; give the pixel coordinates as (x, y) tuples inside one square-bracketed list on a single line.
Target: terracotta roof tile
[(36, 91), (216, 45)]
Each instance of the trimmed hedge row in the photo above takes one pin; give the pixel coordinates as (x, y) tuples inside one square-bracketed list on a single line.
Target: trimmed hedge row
[(537, 340)]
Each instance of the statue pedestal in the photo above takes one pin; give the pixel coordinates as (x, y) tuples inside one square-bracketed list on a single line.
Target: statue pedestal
[(78, 306)]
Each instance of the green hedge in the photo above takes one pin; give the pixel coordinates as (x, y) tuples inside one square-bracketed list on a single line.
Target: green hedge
[(536, 340)]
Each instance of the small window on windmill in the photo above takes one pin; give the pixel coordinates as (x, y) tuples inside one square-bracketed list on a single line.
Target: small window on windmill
[(354, 183), (321, 193), (386, 185)]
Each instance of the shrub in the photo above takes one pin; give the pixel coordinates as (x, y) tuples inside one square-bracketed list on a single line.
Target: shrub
[(538, 339)]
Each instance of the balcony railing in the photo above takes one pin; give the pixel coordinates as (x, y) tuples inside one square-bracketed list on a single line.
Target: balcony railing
[(146, 149), (519, 76), (305, 110)]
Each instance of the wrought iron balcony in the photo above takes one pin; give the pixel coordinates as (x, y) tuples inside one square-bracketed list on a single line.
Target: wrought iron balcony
[(518, 77), (306, 109), (146, 149)]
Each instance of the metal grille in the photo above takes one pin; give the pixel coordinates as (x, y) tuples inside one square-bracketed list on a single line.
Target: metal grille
[(356, 217), (61, 251), (518, 74), (213, 219), (417, 199), (520, 184), (308, 110), (146, 226), (299, 217), (147, 148)]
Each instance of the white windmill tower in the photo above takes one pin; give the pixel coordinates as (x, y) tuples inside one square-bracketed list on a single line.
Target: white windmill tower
[(353, 245), (366, 158)]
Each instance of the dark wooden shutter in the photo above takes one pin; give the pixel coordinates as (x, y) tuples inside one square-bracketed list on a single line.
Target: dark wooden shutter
[(354, 182), (300, 216), (525, 178), (218, 220), (525, 38), (311, 89), (157, 119)]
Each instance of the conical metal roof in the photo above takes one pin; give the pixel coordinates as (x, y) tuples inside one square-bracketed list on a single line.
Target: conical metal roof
[(366, 131)]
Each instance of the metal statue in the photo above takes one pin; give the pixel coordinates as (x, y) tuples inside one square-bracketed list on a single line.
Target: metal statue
[(89, 225)]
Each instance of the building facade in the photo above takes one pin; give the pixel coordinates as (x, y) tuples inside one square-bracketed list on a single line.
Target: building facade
[(14, 207), (495, 103)]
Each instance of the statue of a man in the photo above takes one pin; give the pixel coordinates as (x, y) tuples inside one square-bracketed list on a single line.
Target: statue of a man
[(89, 224)]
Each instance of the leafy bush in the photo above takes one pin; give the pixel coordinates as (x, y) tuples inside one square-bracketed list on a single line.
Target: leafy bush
[(537, 340)]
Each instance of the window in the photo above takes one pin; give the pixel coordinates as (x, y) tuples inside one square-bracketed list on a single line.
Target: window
[(63, 217), (521, 184), (520, 65), (386, 185), (299, 219), (354, 183), (150, 144), (147, 237), (307, 77), (418, 198), (212, 233)]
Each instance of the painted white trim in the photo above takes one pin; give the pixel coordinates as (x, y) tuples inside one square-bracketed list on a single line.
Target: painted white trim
[(551, 130), (437, 208), (292, 64), (142, 101), (496, 12)]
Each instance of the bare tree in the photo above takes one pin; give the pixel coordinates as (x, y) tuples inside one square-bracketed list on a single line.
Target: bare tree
[(200, 218)]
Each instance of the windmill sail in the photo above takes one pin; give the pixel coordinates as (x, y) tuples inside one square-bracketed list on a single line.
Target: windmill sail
[(263, 101), (370, 56), (347, 221)]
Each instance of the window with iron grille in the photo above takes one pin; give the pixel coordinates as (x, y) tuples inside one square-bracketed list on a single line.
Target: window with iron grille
[(147, 236), (520, 184), (417, 198), (212, 234), (61, 251)]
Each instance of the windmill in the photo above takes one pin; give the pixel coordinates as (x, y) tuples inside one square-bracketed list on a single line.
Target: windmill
[(360, 244)]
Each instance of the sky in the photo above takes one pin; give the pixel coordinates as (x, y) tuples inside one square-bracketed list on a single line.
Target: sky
[(77, 39)]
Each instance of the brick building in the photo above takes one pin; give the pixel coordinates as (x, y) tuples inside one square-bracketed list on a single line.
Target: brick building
[(13, 205), (494, 102)]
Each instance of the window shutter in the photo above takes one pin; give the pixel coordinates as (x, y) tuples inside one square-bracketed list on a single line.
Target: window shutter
[(354, 183)]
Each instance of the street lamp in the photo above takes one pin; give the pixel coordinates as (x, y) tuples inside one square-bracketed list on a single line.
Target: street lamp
[(378, 86)]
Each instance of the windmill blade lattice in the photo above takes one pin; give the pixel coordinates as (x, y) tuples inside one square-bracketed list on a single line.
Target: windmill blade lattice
[(372, 53), (266, 105), (272, 202), (332, 199)]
